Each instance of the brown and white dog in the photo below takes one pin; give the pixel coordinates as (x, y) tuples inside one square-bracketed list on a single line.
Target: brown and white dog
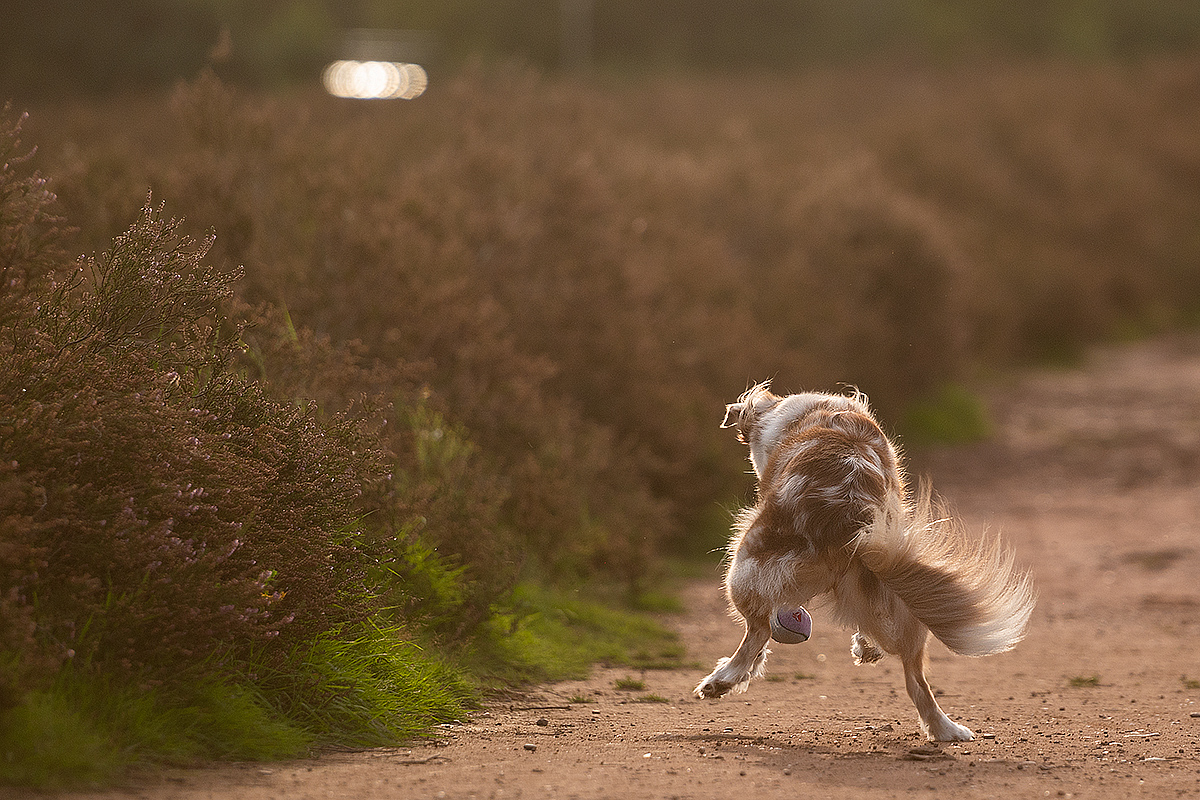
[(833, 517)]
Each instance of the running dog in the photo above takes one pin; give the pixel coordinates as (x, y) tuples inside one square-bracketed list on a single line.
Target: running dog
[(834, 518)]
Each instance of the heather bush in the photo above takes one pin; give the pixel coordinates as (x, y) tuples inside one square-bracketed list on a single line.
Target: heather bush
[(182, 562), (170, 491), (439, 552), (28, 253)]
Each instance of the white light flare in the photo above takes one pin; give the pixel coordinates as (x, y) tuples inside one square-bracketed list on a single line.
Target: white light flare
[(375, 80)]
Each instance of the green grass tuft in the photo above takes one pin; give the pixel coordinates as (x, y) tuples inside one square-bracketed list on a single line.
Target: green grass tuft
[(652, 698), (368, 687), (48, 744), (357, 687), (215, 721), (1085, 680), (546, 635), (84, 731)]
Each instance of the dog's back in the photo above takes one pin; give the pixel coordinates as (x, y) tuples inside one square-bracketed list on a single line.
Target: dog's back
[(831, 468)]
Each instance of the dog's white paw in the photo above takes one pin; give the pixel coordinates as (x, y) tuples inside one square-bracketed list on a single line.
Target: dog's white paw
[(721, 681), (944, 730)]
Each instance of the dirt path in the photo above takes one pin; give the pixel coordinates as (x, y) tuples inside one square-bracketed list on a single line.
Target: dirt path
[(1094, 476)]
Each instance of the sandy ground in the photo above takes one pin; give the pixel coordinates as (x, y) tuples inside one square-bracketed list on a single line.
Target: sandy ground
[(1093, 476)]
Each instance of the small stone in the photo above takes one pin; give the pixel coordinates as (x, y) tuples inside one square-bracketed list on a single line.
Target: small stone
[(530, 746), (542, 722)]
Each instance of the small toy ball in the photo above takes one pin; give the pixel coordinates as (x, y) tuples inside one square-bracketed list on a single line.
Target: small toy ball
[(791, 625)]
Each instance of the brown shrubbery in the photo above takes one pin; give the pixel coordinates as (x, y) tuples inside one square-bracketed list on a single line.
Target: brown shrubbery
[(194, 491), (153, 498)]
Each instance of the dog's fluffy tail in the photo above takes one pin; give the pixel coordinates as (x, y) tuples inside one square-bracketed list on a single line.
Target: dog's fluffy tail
[(968, 593)]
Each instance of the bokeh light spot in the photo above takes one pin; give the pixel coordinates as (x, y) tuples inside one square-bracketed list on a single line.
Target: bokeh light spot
[(375, 80)]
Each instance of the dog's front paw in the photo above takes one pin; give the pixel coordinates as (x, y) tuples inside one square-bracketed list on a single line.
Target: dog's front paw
[(721, 682), (712, 689)]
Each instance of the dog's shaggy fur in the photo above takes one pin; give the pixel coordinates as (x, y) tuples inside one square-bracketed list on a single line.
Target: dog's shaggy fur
[(833, 517)]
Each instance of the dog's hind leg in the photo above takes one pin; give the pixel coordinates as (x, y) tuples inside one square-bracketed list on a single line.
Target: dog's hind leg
[(864, 650), (733, 673), (934, 722)]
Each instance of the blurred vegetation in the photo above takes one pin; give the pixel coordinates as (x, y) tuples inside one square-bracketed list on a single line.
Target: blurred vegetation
[(949, 415), (51, 47)]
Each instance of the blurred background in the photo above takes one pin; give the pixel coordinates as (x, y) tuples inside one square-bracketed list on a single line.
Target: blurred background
[(79, 47)]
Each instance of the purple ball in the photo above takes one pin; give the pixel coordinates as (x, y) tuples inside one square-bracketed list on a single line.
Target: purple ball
[(791, 625)]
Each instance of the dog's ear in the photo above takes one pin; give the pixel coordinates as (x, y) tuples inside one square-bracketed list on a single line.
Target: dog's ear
[(733, 414)]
